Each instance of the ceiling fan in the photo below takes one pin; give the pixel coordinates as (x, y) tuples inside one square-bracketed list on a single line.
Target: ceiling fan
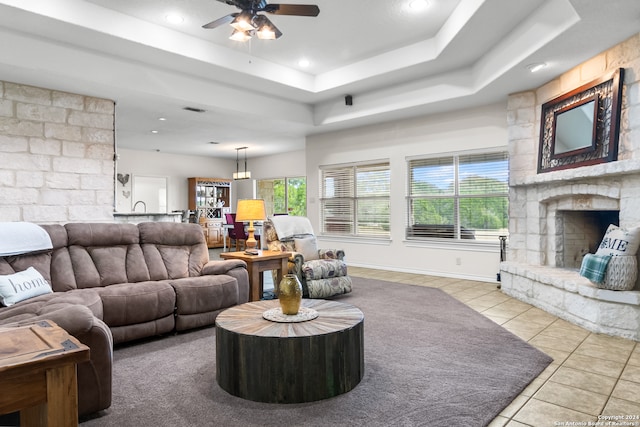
[(249, 22)]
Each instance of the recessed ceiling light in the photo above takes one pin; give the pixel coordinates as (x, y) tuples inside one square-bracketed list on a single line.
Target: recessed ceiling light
[(154, 131), (304, 63), (162, 119), (174, 18), (418, 4), (536, 67)]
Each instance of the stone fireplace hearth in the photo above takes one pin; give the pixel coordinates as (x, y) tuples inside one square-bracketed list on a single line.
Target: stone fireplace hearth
[(562, 216), (556, 217)]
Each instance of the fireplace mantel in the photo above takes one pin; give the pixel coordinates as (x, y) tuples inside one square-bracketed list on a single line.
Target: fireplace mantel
[(613, 169)]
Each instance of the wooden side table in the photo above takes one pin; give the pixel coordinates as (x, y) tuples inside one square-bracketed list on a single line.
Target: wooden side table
[(256, 264), (38, 366)]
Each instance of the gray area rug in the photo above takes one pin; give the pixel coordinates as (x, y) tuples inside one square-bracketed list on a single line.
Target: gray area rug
[(429, 361)]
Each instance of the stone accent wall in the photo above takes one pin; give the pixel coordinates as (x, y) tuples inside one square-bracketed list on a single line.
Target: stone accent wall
[(538, 204), (535, 198), (56, 156)]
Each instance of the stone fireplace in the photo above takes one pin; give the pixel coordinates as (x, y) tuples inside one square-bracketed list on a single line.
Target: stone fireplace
[(556, 217)]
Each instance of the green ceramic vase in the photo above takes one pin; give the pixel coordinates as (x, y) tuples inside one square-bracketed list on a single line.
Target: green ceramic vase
[(290, 294)]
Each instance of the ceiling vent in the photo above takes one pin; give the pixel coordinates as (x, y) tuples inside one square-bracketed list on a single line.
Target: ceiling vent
[(195, 110)]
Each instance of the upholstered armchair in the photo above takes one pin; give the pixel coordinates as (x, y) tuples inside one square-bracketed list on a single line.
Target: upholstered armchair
[(322, 272)]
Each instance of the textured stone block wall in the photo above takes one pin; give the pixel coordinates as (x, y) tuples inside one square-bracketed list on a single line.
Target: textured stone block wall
[(56, 156), (530, 193)]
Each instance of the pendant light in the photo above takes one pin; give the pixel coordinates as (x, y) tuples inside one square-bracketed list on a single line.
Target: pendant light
[(237, 174)]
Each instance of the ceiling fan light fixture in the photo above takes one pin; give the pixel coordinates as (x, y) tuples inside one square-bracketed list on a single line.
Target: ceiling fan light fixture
[(248, 21), (240, 36), (243, 22), (266, 30)]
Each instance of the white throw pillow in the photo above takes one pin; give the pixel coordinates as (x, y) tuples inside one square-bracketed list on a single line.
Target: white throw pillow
[(620, 241), (307, 247), (22, 285)]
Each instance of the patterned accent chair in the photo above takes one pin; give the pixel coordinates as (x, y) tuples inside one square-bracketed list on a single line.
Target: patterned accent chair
[(322, 272)]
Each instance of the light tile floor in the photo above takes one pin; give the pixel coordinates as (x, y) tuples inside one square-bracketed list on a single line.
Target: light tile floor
[(593, 376)]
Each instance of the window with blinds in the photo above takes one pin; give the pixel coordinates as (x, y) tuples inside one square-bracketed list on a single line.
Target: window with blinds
[(354, 199), (462, 197)]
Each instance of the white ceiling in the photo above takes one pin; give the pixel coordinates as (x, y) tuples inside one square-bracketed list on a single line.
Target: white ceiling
[(395, 62)]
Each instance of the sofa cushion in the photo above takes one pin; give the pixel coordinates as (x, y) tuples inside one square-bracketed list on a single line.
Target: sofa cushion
[(308, 247), (167, 262), (105, 254), (22, 285), (101, 234), (173, 250), (325, 288), (205, 293), (323, 269), (132, 303), (85, 297), (61, 269)]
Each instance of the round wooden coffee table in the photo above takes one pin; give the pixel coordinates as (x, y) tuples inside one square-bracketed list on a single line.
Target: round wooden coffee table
[(267, 361)]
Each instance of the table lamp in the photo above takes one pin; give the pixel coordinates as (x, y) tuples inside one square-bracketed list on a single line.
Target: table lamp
[(250, 210)]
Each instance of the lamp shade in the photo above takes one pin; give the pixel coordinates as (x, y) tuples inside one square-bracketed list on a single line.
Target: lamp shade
[(242, 175), (250, 210), (240, 36), (265, 29), (243, 22)]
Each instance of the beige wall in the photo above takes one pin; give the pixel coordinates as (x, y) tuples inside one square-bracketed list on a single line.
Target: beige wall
[(470, 129), (176, 168), (56, 156)]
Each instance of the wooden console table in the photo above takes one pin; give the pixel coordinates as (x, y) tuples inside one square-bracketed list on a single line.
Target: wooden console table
[(38, 374), (256, 264), (265, 361)]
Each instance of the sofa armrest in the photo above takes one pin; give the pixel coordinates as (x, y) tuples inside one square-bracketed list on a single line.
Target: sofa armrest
[(331, 254), (75, 319), (235, 268), (222, 267), (95, 374)]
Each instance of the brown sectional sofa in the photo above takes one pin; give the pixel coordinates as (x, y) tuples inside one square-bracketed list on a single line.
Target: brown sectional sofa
[(115, 283)]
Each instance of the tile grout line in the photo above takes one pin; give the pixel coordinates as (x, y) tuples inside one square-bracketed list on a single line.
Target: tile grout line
[(529, 398), (626, 364)]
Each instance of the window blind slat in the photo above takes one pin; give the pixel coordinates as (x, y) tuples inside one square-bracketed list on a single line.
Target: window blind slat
[(355, 199), (432, 176), (458, 197)]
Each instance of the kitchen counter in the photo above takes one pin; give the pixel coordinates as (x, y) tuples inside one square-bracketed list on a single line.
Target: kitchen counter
[(136, 217)]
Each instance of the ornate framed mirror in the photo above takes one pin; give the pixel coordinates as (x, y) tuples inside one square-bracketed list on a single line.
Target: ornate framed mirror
[(582, 127)]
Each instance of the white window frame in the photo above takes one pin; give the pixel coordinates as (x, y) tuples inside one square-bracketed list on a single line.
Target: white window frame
[(347, 200), (456, 235)]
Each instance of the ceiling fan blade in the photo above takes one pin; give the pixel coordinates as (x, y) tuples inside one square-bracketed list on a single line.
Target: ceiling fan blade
[(220, 21), (229, 2), (292, 9)]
